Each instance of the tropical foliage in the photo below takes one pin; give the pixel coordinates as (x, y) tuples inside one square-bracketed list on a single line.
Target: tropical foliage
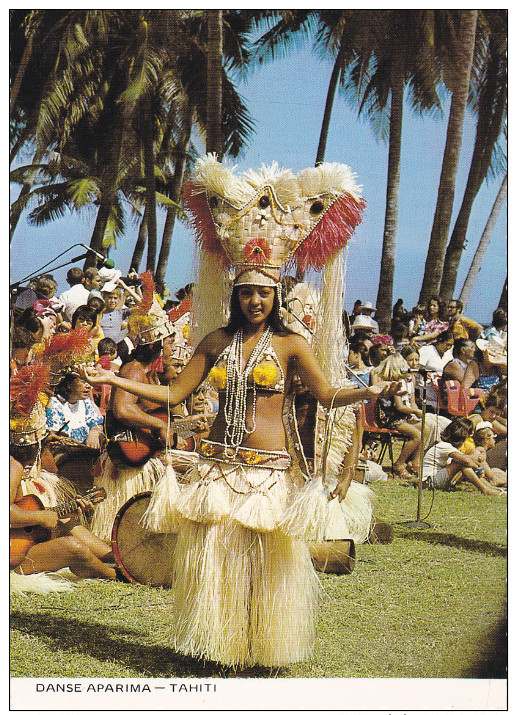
[(105, 103)]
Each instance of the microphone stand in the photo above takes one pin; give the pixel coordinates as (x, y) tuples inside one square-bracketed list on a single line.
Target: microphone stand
[(418, 524)]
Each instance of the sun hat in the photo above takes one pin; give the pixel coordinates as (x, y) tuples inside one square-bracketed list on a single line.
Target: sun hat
[(484, 424), (362, 322), (494, 350), (367, 306)]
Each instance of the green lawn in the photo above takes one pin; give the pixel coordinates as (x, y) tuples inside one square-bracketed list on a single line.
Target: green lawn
[(431, 604)]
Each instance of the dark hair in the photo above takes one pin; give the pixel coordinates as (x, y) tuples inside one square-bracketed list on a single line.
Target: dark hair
[(499, 318), (146, 353), (418, 309), (480, 435), (21, 338), (374, 356), (398, 330), (84, 312), (74, 276), (494, 399), (408, 350), (91, 273), (457, 431), (237, 319), (106, 346), (444, 336), (64, 388), (101, 300), (459, 344), (29, 320)]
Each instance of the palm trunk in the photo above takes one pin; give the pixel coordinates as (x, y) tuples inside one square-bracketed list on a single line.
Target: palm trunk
[(150, 184), (389, 242), (491, 113), (483, 243), (177, 182), (26, 188), (140, 243), (503, 300), (442, 217), (26, 56), (320, 154), (214, 88)]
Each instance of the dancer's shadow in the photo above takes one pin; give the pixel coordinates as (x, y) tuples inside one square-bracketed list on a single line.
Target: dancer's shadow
[(458, 542), (120, 644)]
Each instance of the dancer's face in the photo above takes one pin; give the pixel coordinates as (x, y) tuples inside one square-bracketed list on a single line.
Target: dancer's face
[(256, 302)]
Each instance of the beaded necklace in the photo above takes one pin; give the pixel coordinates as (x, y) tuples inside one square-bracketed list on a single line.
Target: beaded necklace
[(237, 387)]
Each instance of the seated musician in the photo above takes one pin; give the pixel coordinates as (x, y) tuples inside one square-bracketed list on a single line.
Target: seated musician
[(67, 544)]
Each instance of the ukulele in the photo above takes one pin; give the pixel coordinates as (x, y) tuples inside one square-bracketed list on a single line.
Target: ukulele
[(23, 537), (135, 453)]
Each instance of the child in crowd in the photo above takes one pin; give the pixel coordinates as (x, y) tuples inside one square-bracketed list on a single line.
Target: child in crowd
[(479, 443), (107, 351), (446, 465), (400, 412)]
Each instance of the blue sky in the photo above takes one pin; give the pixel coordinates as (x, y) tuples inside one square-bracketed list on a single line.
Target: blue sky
[(286, 100)]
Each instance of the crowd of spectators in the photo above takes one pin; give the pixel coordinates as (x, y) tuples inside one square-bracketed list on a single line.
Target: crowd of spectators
[(435, 351)]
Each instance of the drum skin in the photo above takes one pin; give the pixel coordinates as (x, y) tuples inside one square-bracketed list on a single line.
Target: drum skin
[(143, 556)]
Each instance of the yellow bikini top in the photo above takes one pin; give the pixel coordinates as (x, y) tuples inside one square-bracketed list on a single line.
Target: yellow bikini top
[(267, 374)]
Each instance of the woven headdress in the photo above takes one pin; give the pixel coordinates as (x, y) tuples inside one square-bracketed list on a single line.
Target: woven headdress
[(262, 220), (28, 397), (179, 317), (148, 319)]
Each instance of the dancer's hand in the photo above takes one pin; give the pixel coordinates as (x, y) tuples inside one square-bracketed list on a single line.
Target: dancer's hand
[(96, 375)]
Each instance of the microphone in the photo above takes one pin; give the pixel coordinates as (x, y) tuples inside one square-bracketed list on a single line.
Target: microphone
[(105, 262)]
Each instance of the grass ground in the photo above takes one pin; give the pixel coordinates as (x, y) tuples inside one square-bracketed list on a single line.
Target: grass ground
[(430, 604)]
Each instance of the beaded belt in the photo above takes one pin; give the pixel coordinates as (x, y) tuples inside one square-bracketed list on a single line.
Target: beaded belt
[(218, 452)]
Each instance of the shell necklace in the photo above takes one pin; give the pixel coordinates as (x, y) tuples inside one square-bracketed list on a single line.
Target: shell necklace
[(237, 387)]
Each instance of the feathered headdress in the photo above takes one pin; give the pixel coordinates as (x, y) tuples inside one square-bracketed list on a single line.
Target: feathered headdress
[(28, 397), (65, 352), (260, 221), (148, 319)]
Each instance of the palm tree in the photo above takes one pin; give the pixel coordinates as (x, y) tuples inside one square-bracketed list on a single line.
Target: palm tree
[(464, 51), (491, 106), (483, 243)]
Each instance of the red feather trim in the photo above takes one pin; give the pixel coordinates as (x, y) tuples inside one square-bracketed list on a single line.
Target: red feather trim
[(148, 288), (39, 487), (331, 233), (66, 343), (194, 197), (179, 310), (26, 385)]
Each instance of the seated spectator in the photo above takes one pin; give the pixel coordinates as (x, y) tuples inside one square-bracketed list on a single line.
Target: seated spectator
[(72, 412), (399, 331), (76, 295), (461, 326), (400, 412), (479, 444), (40, 323), (377, 353), (363, 324), (462, 353), (487, 367), (21, 349), (444, 465), (498, 327), (417, 322), (355, 361), (45, 287), (434, 324), (368, 310), (399, 312), (107, 352), (492, 411), (433, 358)]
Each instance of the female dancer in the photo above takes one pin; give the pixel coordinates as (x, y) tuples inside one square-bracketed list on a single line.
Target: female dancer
[(254, 586), (244, 588)]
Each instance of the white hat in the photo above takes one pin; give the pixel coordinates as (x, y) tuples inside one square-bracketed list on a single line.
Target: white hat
[(109, 287), (362, 322), (495, 350), (484, 424), (367, 306)]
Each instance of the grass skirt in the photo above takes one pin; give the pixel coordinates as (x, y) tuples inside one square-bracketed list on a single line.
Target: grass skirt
[(120, 485), (244, 593), (48, 487)]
